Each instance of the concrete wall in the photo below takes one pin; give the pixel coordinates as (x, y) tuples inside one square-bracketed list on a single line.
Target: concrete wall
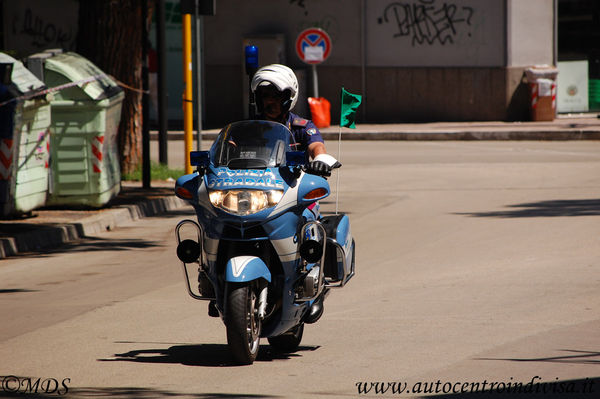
[(435, 60), (449, 33), (530, 41), (238, 19), (530, 29), (413, 60), (235, 20), (31, 26)]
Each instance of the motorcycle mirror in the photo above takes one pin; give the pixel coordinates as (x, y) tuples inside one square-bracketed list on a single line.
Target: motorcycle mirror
[(295, 158), (200, 158)]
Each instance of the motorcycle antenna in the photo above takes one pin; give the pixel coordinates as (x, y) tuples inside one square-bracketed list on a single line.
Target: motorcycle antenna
[(337, 183)]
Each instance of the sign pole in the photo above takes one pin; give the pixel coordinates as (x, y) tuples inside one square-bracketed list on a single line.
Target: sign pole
[(315, 80), (313, 46), (188, 111), (198, 27)]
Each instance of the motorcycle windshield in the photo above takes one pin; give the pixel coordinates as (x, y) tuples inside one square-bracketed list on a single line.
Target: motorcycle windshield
[(251, 145)]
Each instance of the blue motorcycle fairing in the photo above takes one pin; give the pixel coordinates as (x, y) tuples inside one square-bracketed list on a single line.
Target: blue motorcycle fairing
[(223, 178), (190, 183), (242, 269), (342, 234), (310, 183), (282, 226), (196, 185)]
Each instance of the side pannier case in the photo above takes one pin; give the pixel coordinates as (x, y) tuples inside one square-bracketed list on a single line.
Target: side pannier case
[(339, 256)]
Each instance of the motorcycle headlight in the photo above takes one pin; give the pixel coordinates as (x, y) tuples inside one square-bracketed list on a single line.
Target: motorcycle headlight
[(245, 202)]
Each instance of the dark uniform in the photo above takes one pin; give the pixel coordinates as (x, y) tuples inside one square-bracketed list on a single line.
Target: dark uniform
[(304, 130)]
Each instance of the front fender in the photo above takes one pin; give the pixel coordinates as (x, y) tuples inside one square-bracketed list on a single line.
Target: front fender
[(246, 268)]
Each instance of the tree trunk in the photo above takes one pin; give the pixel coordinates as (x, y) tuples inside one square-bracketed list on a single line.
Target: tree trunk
[(110, 35)]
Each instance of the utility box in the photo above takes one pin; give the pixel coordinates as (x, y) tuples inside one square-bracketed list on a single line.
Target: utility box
[(572, 86), (24, 139), (85, 168), (542, 89)]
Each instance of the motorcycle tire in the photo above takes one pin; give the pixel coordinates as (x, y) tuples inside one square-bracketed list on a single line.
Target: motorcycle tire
[(242, 323), (288, 342)]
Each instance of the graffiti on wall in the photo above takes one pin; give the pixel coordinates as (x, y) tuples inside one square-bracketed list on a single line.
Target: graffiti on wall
[(301, 4), (428, 22), (30, 26), (41, 33)]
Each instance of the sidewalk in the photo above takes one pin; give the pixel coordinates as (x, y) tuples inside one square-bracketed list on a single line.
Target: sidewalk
[(565, 127), (50, 228)]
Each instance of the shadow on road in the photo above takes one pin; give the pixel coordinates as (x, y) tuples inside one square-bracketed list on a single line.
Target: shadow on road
[(144, 393), (92, 244), (15, 290), (127, 393), (553, 208), (573, 357), (207, 355)]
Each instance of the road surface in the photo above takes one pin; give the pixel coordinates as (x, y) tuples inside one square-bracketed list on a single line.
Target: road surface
[(477, 262)]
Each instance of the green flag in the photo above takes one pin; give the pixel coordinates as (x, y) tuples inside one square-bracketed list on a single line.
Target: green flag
[(350, 103)]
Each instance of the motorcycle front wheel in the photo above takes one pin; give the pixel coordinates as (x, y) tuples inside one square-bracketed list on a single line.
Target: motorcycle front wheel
[(242, 323)]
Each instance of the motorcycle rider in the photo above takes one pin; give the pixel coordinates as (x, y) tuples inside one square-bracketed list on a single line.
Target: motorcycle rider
[(275, 88)]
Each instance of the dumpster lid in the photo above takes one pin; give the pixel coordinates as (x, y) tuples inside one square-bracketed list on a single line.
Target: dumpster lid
[(79, 69), (537, 72), (22, 78)]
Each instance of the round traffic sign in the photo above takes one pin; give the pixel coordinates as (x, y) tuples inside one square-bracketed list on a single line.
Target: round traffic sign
[(313, 45)]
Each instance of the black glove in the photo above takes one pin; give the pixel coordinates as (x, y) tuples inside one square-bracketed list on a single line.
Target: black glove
[(318, 168)]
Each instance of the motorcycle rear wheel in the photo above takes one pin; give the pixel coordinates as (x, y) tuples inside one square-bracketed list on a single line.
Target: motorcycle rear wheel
[(288, 342), (242, 323)]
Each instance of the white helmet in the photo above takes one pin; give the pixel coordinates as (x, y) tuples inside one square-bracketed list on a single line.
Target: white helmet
[(281, 77)]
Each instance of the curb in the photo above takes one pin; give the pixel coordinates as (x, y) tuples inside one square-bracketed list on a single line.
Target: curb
[(49, 236), (510, 135), (467, 134)]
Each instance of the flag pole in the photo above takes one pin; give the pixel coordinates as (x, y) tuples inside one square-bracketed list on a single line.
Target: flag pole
[(347, 110), (339, 157)]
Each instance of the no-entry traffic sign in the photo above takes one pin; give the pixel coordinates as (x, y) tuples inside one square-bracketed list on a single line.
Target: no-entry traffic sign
[(313, 46)]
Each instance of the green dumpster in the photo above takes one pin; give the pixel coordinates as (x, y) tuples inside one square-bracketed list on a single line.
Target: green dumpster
[(84, 154), (24, 139)]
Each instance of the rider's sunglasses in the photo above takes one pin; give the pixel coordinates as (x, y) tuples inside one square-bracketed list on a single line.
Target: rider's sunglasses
[(270, 92)]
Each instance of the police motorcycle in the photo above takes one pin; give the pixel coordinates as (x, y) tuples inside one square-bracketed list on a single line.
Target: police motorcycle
[(260, 251)]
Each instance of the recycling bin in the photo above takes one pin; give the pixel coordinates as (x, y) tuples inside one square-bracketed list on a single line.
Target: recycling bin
[(84, 153), (542, 89), (24, 139)]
